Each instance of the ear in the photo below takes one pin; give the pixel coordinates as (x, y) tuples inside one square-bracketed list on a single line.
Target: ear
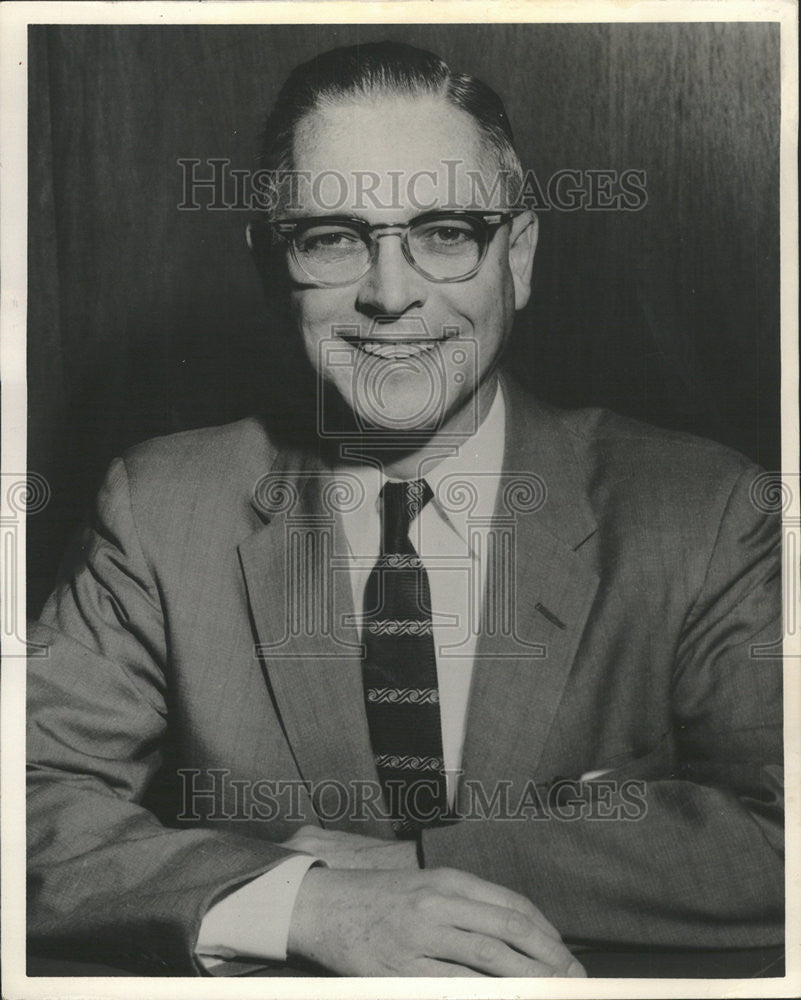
[(255, 245), (259, 244), (522, 244), (258, 240)]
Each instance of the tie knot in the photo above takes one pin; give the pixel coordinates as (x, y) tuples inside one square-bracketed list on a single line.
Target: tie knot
[(400, 505)]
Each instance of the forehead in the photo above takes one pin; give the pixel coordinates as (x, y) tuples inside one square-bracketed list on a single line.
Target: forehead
[(388, 154)]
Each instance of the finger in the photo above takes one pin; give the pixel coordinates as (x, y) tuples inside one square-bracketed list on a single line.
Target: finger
[(337, 840), (511, 927), (346, 859), (346, 836), (431, 967), (339, 836), (488, 954), (306, 845), (334, 838), (306, 834), (313, 840), (478, 889)]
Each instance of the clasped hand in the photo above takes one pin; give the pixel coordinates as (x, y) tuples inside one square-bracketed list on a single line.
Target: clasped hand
[(373, 912)]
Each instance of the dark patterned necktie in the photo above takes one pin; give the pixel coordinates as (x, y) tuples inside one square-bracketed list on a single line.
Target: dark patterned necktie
[(400, 668)]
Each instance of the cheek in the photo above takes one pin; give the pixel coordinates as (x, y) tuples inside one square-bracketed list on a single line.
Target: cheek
[(504, 303), (316, 313), (488, 304)]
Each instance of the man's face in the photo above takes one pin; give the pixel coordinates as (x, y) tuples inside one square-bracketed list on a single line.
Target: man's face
[(372, 339)]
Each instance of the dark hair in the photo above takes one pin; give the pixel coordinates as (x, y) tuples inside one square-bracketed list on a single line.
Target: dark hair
[(386, 68)]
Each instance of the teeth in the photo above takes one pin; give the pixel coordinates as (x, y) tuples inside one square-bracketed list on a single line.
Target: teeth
[(396, 351)]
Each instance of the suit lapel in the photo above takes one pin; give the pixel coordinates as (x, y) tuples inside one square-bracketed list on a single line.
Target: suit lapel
[(545, 587), (312, 660), (299, 593)]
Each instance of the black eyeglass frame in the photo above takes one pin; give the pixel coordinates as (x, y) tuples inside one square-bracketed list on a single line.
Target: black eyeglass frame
[(487, 223)]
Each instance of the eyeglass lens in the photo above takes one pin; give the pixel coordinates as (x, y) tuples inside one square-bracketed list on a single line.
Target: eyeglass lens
[(445, 248)]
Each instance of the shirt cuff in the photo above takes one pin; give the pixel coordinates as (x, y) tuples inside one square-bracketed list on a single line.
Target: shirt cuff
[(253, 921)]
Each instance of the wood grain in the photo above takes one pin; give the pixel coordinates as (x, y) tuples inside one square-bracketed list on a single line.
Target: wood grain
[(144, 319)]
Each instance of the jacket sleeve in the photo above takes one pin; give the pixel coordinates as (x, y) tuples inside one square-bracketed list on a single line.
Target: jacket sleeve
[(106, 879), (697, 860)]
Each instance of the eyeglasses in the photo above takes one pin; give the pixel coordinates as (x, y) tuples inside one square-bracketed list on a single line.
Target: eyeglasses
[(441, 245)]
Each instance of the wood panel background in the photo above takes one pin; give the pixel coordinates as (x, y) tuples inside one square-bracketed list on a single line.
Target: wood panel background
[(144, 319)]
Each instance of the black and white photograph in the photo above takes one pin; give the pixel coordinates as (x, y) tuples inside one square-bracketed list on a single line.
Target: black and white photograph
[(408, 503)]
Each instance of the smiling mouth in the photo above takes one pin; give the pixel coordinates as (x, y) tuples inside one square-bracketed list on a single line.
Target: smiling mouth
[(394, 349), (398, 339)]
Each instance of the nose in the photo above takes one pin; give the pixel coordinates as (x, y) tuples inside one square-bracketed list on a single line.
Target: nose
[(391, 286)]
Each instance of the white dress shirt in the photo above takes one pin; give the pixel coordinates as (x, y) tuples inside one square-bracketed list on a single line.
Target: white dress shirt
[(253, 921)]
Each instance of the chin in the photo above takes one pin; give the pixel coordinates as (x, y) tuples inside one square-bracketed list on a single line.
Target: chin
[(399, 404)]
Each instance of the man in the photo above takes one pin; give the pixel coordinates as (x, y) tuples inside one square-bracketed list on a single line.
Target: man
[(501, 662)]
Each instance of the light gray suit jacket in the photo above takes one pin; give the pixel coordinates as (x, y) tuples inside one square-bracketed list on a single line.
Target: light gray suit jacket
[(641, 609)]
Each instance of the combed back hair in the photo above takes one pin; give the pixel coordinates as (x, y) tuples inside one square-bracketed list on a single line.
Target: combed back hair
[(391, 69)]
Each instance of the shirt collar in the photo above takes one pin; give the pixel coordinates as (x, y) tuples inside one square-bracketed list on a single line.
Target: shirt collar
[(477, 461)]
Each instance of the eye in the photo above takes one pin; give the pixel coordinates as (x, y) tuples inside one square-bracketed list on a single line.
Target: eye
[(447, 236), (322, 240), (332, 239)]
